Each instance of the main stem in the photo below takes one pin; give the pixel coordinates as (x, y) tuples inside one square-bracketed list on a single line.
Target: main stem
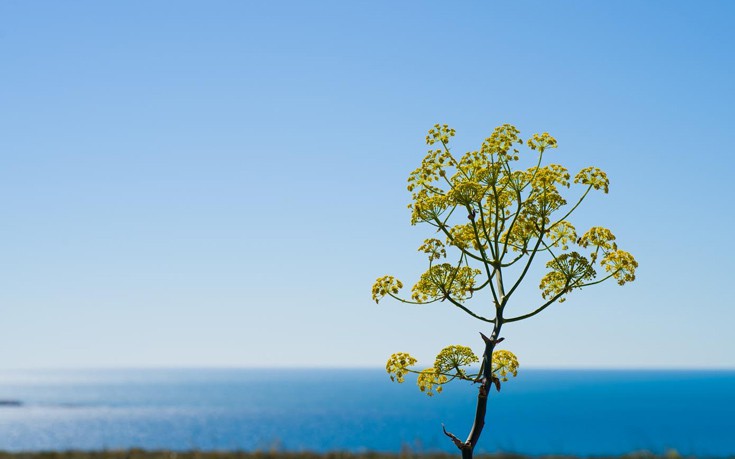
[(468, 446)]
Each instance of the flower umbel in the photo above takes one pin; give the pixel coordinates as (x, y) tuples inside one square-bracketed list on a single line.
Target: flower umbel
[(386, 285), (621, 264), (541, 142), (452, 358), (397, 366), (429, 379), (504, 363), (594, 177), (444, 280), (434, 248)]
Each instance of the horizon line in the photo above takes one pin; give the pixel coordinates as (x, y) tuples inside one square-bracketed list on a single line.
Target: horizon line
[(346, 368)]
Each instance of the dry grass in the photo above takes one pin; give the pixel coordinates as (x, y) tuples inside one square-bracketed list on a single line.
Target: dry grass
[(144, 454)]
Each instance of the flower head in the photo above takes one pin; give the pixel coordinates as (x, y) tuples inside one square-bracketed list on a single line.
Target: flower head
[(397, 366), (385, 285), (429, 379)]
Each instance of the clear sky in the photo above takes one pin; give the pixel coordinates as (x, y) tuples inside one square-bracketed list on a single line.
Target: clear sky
[(219, 183)]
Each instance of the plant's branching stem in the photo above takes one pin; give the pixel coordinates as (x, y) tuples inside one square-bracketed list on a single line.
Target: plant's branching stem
[(520, 200), (598, 281), (456, 271), (487, 379), (512, 224), (457, 442), (548, 249), (456, 163), (528, 263), (467, 310), (484, 261), (543, 306), (484, 231), (573, 208), (433, 189), (505, 265), (535, 170), (496, 254), (451, 239), (484, 284), (412, 302), (444, 223)]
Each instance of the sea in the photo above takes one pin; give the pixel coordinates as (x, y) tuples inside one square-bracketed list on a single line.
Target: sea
[(541, 412)]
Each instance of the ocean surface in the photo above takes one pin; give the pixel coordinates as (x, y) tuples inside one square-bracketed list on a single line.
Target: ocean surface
[(539, 412)]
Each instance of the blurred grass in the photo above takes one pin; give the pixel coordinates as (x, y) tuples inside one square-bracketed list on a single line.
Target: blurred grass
[(144, 454)]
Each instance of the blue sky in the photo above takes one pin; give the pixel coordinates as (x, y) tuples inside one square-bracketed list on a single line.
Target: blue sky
[(220, 183)]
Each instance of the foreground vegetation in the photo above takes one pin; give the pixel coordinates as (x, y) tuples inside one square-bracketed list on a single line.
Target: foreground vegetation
[(407, 454)]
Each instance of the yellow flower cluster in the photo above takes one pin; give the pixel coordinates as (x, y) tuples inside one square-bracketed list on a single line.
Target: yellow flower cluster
[(562, 234), (443, 280), (508, 210), (433, 247), (463, 237), (541, 142), (504, 363), (397, 366), (600, 238), (547, 177), (501, 199), (545, 197), (452, 358), (465, 193), (621, 264), (542, 203), (429, 379), (432, 167), (597, 236), (427, 207), (521, 232), (501, 141), (574, 265), (448, 366), (594, 177), (552, 284), (439, 133), (385, 285), (567, 271), (516, 180), (474, 165)]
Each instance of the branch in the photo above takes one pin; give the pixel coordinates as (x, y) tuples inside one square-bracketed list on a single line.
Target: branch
[(484, 259), (544, 306), (412, 302), (497, 230), (598, 281), (484, 231), (505, 265), (528, 264), (535, 170), (520, 206), (512, 224), (456, 271), (556, 297), (467, 310), (457, 442), (548, 249), (456, 163), (442, 227), (482, 286), (573, 208)]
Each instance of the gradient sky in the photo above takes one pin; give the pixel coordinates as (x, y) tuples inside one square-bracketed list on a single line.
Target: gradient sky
[(219, 183)]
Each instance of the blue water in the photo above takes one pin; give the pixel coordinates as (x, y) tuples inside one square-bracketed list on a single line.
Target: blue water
[(540, 412)]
